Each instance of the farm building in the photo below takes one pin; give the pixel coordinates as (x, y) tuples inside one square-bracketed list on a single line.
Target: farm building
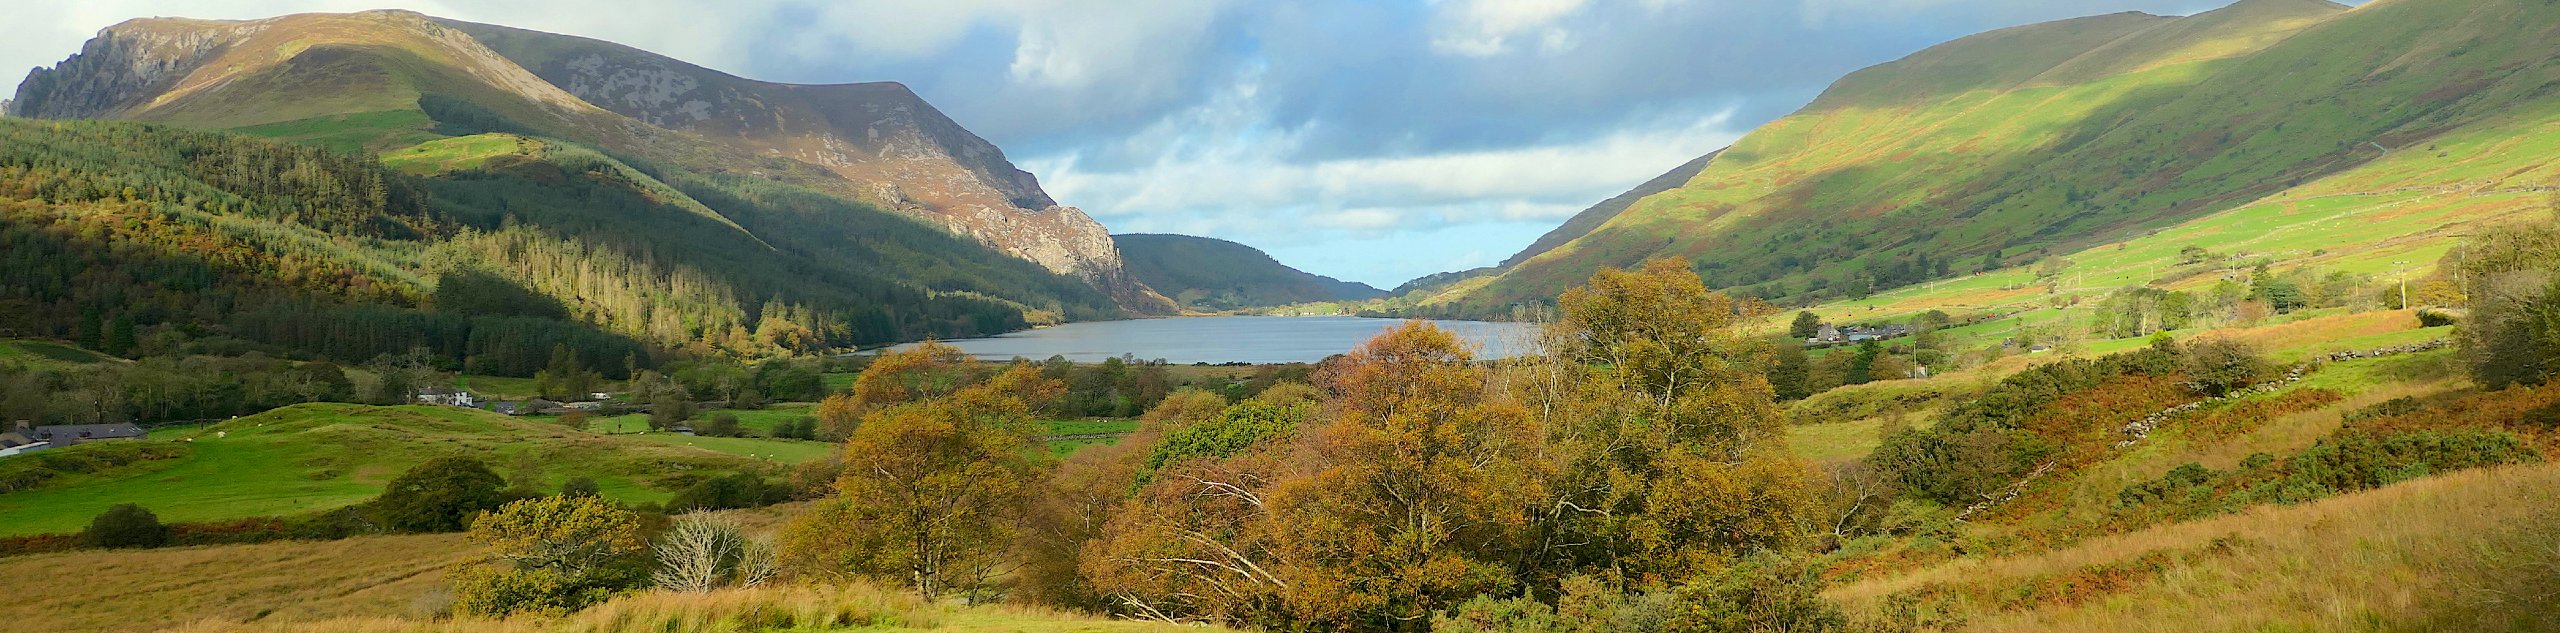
[(69, 434), (447, 396)]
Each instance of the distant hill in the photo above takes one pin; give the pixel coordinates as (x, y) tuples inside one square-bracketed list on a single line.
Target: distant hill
[(2003, 148), (1213, 274)]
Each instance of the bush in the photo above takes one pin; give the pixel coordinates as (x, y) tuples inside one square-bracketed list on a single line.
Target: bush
[(440, 495), (580, 487), (126, 525), (722, 424), (2221, 366), (739, 490), (702, 552), (2434, 318), (2355, 460), (550, 556)]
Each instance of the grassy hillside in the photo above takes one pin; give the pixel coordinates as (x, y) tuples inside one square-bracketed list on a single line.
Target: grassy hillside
[(2002, 149), (312, 457), (1213, 274)]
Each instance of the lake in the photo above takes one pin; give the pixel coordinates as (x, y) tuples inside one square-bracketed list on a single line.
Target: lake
[(1226, 339)]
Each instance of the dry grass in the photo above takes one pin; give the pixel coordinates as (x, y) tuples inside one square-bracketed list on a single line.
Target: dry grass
[(391, 584), (783, 608), (2318, 333), (2468, 551), (156, 589)]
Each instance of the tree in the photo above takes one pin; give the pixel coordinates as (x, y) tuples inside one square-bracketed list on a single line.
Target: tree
[(550, 555), (704, 551), (928, 370), (669, 410), (1806, 326), (565, 378), (928, 494), (439, 495), (1662, 425), (1791, 373), (722, 424), (728, 492), (125, 525)]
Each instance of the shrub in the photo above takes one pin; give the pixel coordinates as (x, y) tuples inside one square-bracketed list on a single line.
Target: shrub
[(580, 487), (2434, 318), (440, 495), (126, 525), (722, 424), (2221, 366), (703, 551), (2354, 460), (550, 556), (738, 490)]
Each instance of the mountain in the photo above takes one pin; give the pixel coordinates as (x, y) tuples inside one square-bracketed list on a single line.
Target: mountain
[(387, 80), (901, 152), (1582, 223), (442, 196), (2020, 144), (1213, 274)]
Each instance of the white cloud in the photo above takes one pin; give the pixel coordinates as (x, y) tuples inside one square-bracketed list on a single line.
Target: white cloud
[(1484, 28)]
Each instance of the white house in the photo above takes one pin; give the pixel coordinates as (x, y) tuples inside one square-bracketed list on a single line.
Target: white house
[(446, 396)]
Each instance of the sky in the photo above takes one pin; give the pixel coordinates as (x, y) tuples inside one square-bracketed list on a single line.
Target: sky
[(1374, 141)]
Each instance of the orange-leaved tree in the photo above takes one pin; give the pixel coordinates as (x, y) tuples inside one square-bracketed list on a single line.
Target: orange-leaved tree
[(930, 489), (1662, 430), (929, 370), (1403, 498)]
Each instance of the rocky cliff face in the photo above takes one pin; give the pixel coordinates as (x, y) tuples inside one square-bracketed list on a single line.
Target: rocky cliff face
[(125, 66), (901, 152)]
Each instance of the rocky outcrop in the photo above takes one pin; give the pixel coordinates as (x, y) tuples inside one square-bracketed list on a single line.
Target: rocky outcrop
[(124, 66)]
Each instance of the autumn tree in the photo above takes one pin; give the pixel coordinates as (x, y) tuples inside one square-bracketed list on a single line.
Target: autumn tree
[(550, 555), (1404, 499), (930, 488), (929, 370), (1663, 429)]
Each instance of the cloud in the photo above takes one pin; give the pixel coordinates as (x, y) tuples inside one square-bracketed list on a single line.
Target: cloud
[(1484, 28)]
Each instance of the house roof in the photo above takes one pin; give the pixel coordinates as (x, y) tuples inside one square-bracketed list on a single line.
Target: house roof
[(90, 431)]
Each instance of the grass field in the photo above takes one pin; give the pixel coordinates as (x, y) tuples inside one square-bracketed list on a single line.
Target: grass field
[(40, 353), (318, 456)]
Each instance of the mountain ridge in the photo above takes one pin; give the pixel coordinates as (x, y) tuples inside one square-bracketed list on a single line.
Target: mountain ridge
[(1210, 274)]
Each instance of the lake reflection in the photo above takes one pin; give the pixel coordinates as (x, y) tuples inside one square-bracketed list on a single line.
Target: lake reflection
[(1232, 339)]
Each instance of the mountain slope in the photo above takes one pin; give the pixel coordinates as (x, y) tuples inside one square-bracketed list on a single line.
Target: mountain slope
[(903, 153), (2005, 147), (389, 80), (1213, 274), (1582, 223)]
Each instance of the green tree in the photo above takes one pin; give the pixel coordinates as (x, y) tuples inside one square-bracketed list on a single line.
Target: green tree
[(125, 525), (439, 495), (550, 555), (1806, 326)]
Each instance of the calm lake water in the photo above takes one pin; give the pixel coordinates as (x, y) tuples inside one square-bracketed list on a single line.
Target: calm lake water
[(1231, 339)]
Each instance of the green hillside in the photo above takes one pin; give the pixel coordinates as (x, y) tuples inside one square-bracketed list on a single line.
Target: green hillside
[(1212, 274), (2008, 147), (313, 457)]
